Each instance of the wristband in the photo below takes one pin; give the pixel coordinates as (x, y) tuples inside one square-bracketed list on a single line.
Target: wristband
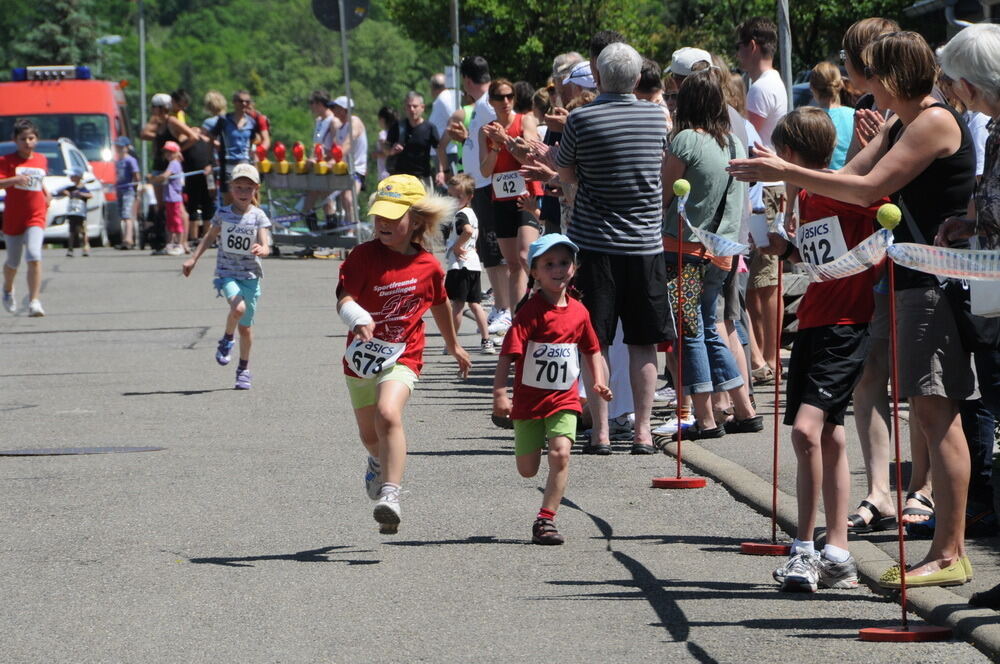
[(786, 254), (353, 315)]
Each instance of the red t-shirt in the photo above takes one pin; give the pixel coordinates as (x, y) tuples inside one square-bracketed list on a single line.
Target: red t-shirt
[(544, 324), (24, 206), (396, 290), (843, 301)]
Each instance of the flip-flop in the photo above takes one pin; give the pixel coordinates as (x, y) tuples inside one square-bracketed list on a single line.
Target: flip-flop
[(857, 523), (918, 511)]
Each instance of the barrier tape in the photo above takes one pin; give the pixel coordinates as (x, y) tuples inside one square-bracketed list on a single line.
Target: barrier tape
[(971, 264), (866, 255), (714, 243)]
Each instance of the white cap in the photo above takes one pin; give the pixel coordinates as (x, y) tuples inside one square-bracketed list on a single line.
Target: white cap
[(343, 102), (245, 171), (685, 58), (161, 99), (582, 76)]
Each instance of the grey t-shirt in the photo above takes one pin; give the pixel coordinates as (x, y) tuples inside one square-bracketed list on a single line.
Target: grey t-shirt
[(238, 232)]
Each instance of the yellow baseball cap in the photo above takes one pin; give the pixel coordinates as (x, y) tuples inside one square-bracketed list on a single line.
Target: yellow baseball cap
[(395, 195)]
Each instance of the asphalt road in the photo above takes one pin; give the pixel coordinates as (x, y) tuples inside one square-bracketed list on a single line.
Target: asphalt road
[(249, 537)]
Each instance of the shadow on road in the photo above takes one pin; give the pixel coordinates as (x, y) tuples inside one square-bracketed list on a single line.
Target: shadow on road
[(310, 556), (183, 393)]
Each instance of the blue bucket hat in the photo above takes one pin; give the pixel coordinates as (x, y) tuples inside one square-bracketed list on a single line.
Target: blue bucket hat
[(546, 242), (123, 141)]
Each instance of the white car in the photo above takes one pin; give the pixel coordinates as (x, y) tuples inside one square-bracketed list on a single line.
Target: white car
[(63, 155)]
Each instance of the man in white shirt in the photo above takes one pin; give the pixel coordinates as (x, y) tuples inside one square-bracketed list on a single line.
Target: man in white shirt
[(324, 132), (441, 110), (767, 103), (354, 145)]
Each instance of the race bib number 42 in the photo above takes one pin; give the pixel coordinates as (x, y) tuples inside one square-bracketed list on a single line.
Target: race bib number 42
[(238, 238), (550, 366), (35, 176), (507, 186), (369, 358), (821, 241)]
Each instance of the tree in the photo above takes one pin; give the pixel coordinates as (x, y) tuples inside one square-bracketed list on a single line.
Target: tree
[(59, 32), (519, 39)]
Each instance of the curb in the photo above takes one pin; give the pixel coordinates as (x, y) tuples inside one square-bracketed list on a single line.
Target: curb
[(939, 606)]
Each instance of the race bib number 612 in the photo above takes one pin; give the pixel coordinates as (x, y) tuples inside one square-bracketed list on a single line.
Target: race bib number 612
[(821, 241)]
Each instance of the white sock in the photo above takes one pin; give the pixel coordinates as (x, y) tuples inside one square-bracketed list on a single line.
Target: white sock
[(798, 546), (388, 487), (835, 553)]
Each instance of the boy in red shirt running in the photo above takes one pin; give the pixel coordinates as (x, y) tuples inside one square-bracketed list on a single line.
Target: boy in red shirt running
[(827, 358), (22, 174), (544, 339)]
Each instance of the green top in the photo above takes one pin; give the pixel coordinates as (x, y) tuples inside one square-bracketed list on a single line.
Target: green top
[(706, 171)]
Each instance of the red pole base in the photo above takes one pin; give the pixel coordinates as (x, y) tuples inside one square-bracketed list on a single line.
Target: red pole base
[(898, 634), (678, 482), (765, 549)]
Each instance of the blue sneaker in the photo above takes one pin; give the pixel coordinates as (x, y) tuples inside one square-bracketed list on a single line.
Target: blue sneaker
[(224, 353), (242, 379), (373, 478)]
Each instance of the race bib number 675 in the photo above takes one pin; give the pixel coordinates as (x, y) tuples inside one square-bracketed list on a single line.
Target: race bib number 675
[(550, 366), (369, 358)]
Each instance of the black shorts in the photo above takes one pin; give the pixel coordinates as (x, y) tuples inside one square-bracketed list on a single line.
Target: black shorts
[(463, 285), (633, 288), (199, 201), (826, 365), (486, 244), (507, 219)]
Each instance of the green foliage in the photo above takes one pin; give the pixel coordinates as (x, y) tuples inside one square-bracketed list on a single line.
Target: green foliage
[(64, 32)]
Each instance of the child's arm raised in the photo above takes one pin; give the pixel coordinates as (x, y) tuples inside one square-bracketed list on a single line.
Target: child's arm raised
[(595, 365), (501, 402), (446, 325), (206, 242)]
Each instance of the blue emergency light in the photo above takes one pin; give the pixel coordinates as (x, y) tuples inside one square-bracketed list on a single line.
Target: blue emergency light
[(51, 73)]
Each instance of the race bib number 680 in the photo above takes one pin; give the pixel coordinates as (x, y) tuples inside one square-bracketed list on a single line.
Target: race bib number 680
[(550, 366), (238, 238)]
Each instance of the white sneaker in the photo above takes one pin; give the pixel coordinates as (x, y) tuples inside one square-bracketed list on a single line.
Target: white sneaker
[(387, 511), (35, 309), (621, 424), (665, 395), (501, 324), (175, 251), (492, 316), (669, 428), (373, 478), (9, 303), (487, 347)]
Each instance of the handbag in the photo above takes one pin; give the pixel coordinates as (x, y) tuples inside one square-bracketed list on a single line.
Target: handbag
[(691, 283)]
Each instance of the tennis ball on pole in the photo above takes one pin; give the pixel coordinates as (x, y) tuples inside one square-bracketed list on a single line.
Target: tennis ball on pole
[(889, 216), (682, 187)]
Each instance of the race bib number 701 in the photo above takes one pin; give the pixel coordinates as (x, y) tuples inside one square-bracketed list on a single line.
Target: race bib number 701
[(369, 358), (550, 366)]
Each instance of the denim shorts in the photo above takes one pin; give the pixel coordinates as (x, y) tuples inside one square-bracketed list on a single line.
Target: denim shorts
[(248, 289)]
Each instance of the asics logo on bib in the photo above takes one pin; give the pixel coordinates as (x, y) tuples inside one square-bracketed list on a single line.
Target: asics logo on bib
[(551, 351), (809, 233), (375, 347)]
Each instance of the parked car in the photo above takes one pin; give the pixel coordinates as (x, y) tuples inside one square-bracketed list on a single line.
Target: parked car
[(62, 155)]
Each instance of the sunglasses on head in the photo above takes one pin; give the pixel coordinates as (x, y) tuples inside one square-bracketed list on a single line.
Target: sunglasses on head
[(502, 97)]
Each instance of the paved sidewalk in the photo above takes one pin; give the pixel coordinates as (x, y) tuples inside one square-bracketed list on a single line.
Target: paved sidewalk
[(249, 538)]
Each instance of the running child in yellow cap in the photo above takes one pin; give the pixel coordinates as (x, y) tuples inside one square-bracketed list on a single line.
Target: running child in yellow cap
[(548, 336), (386, 285)]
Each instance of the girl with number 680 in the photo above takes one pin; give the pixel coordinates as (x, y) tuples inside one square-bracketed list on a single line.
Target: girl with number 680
[(241, 229)]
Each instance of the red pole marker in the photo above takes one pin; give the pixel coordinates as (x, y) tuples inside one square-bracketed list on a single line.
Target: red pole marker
[(681, 189), (889, 216), (773, 548)]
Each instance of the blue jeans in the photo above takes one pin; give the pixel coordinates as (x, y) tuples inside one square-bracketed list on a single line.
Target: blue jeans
[(708, 363)]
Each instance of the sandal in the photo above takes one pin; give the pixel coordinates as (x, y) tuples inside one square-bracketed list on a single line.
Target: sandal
[(918, 511), (857, 524), (763, 375), (544, 532)]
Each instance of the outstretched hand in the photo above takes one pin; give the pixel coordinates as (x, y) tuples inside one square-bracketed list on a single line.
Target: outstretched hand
[(764, 166)]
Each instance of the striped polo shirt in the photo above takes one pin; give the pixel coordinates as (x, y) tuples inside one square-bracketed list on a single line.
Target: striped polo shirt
[(616, 144)]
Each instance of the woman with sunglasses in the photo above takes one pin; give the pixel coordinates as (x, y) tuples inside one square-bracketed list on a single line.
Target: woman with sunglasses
[(515, 200), (923, 158), (234, 132)]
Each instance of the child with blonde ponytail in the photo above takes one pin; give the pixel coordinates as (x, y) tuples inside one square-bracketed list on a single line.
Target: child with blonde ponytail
[(385, 287)]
